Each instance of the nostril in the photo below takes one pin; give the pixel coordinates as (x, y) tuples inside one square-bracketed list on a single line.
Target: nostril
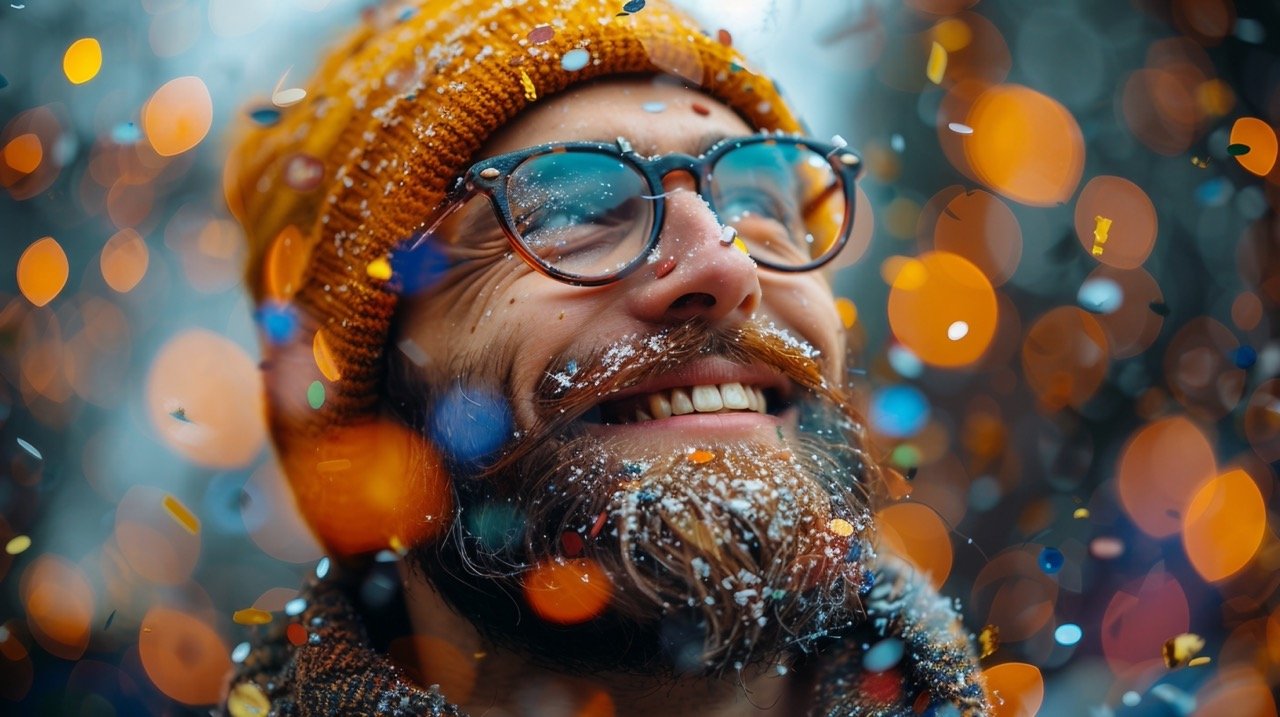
[(698, 300)]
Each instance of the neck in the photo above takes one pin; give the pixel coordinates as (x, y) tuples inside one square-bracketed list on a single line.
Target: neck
[(483, 679)]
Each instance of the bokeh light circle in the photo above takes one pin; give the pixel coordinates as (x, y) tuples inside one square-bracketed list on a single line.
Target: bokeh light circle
[(82, 60), (1065, 357), (1200, 368), (1260, 140), (1262, 421), (979, 227), (155, 545), (1224, 525), (42, 271), (1025, 145), (1115, 222), (915, 533), (1016, 689), (568, 592), (124, 260), (1160, 469), (183, 655), (59, 604), (178, 115), (1140, 617), (1132, 326), (931, 293)]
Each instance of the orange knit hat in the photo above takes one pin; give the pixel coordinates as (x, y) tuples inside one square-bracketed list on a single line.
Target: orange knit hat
[(331, 189)]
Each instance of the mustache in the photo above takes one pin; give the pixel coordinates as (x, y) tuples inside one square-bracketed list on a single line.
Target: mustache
[(575, 382)]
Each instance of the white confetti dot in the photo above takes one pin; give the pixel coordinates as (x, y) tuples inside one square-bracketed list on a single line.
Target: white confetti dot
[(957, 330), (959, 128)]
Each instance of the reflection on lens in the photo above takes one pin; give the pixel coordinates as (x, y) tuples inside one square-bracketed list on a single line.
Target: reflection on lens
[(785, 200), (580, 213)]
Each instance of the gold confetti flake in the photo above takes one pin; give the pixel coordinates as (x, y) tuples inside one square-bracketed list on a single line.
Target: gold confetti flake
[(988, 641), (840, 527), (1080, 514), (937, 63), (17, 544), (1181, 649), (247, 700), (741, 246), (1198, 661), (530, 92), (1200, 162), (701, 456), (251, 616), (181, 514), (379, 269), (1101, 228)]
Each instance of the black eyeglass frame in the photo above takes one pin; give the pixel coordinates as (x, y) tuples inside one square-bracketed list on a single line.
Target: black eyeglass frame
[(489, 177)]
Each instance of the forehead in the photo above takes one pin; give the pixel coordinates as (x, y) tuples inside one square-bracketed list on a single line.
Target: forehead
[(655, 114)]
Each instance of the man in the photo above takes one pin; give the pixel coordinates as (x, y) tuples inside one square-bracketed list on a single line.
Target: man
[(548, 337)]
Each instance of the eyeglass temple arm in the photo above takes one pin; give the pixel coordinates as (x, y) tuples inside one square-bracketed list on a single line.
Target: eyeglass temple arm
[(449, 210)]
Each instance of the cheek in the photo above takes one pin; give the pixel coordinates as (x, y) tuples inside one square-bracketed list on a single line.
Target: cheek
[(807, 306)]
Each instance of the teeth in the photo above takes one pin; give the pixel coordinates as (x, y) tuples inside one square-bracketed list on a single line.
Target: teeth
[(733, 396), (659, 406), (761, 406), (642, 415), (680, 403), (706, 399)]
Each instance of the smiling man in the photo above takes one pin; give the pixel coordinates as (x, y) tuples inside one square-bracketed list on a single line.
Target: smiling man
[(555, 375)]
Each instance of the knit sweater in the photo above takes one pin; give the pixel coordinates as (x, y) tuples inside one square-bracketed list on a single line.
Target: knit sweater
[(332, 667)]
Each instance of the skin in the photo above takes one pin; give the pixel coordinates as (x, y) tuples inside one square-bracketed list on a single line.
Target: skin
[(500, 301)]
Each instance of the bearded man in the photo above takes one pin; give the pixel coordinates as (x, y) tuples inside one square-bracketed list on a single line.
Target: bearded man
[(546, 335)]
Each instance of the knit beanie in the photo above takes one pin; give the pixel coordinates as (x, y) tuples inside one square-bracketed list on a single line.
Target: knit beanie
[(329, 188)]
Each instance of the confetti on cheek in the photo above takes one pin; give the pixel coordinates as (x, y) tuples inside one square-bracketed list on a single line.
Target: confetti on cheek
[(17, 545), (181, 514), (701, 109), (654, 107), (541, 34), (1180, 649), (937, 66), (575, 60), (251, 616), (988, 641), (530, 92), (701, 456)]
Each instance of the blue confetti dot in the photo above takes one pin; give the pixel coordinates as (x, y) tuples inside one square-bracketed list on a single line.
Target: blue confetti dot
[(240, 653), (1245, 357), (654, 107), (1068, 634), (633, 6), (126, 133), (575, 60), (899, 411), (1100, 295), (1051, 560), (883, 655), (322, 567), (295, 606), (469, 423), (265, 116), (278, 321)]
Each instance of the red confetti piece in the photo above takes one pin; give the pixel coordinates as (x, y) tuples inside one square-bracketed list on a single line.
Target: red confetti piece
[(571, 542), (701, 456), (724, 37), (541, 34), (296, 633), (701, 109), (598, 525)]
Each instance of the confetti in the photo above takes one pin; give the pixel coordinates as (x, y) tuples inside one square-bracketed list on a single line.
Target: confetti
[(251, 616), (541, 34), (937, 63), (110, 619), (17, 544), (724, 38), (1200, 162), (1068, 634), (181, 515), (315, 395), (959, 128), (246, 700), (295, 607), (1198, 661), (1051, 560), (398, 545), (279, 321), (654, 107), (957, 330), (322, 568), (1080, 514), (1237, 149), (597, 526), (840, 527), (30, 449), (575, 60), (296, 633), (701, 109), (265, 116), (303, 173), (1179, 649), (288, 97), (179, 414), (883, 655), (240, 652), (701, 456), (741, 246), (1244, 357), (633, 6), (379, 269), (1101, 228), (82, 60), (571, 543), (323, 356), (988, 641), (530, 92)]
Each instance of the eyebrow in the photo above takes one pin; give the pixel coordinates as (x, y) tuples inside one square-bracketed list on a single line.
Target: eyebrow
[(695, 148)]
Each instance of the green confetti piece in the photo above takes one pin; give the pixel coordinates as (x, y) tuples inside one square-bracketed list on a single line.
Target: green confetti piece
[(315, 394), (1235, 150)]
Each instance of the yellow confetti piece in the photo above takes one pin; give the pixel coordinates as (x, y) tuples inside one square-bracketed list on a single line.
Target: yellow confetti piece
[(251, 616), (1179, 650), (1200, 162), (701, 456), (1101, 227), (324, 356), (1080, 514), (530, 92), (397, 545), (379, 269), (181, 514), (1198, 661), (988, 641), (840, 527), (247, 700), (848, 312), (741, 246), (17, 544), (937, 63)]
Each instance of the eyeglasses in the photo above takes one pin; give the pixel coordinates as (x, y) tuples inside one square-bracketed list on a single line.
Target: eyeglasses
[(589, 213)]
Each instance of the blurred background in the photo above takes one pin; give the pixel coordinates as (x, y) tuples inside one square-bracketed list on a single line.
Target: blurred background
[(1064, 280)]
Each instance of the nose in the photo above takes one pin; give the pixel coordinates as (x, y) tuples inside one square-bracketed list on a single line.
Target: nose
[(696, 275)]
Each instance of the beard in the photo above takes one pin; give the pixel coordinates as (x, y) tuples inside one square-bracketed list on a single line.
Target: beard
[(705, 559)]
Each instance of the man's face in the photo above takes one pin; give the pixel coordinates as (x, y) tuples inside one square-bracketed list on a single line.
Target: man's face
[(656, 431)]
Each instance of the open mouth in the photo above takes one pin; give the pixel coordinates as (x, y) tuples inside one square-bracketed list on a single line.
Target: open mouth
[(732, 397)]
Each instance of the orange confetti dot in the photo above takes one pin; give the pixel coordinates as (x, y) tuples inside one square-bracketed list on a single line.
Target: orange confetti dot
[(251, 616), (82, 60), (1016, 689), (124, 260), (1261, 140), (1224, 525), (182, 515), (323, 356), (932, 294), (701, 456), (178, 115), (23, 153), (568, 592), (42, 271)]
